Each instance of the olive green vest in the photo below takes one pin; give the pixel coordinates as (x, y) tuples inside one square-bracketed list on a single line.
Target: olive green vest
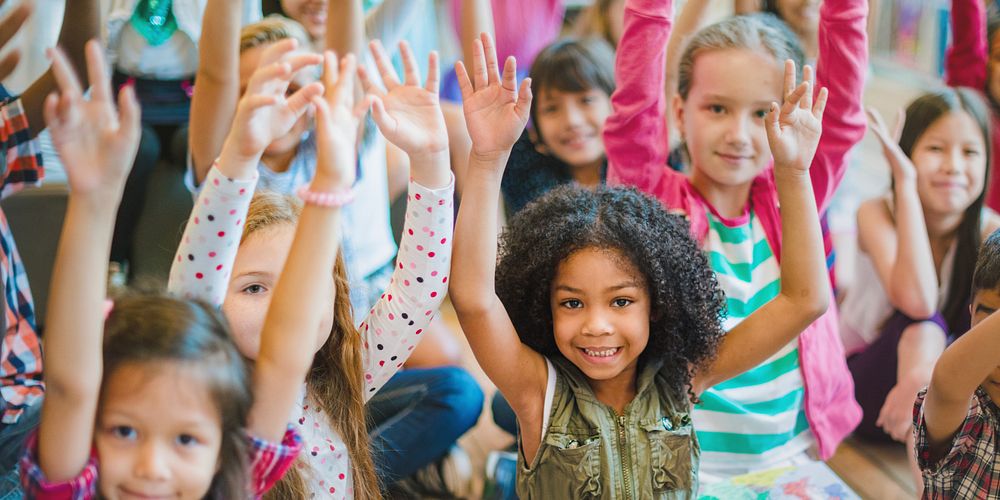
[(589, 451)]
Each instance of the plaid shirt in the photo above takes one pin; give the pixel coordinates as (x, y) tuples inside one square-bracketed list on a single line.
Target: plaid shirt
[(268, 464), (970, 469), (20, 351)]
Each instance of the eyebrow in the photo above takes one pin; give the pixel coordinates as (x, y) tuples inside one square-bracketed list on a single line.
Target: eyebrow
[(981, 308), (621, 286), (255, 274)]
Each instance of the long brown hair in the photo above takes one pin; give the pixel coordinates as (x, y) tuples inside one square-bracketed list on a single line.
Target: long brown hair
[(920, 115), (335, 380)]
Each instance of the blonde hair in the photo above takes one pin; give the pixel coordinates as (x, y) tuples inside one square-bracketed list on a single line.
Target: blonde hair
[(335, 380), (272, 29)]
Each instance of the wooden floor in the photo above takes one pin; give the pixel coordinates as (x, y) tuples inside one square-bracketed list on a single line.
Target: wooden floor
[(874, 471)]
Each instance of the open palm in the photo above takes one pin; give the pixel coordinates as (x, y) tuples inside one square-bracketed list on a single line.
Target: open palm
[(496, 111), (794, 128), (408, 114), (337, 120), (96, 145)]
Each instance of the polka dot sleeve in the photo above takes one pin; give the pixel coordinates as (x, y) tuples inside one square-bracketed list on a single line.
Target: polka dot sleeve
[(205, 257), (419, 282)]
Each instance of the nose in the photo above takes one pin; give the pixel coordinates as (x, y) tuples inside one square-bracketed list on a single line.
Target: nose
[(573, 115), (953, 161), (597, 324), (152, 462), (738, 130)]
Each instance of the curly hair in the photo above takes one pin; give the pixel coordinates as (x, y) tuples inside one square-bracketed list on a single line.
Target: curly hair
[(687, 305)]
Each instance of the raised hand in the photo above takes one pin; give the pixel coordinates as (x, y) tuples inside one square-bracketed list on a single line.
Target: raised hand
[(794, 128), (408, 114), (337, 122), (264, 112), (496, 111), (902, 167), (96, 144)]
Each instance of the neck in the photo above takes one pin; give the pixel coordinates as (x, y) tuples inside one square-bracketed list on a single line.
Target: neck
[(616, 392), (728, 201), (279, 162), (810, 44), (942, 227), (588, 175)]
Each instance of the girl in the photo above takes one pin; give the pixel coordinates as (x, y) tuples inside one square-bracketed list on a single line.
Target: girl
[(148, 437), (801, 399), (604, 319), (573, 79), (972, 62), (351, 364), (917, 247)]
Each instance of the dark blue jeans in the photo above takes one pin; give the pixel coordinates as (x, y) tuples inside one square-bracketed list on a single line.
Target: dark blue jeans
[(12, 438), (417, 417)]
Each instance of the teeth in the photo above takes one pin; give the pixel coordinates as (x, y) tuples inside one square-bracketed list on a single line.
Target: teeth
[(603, 353)]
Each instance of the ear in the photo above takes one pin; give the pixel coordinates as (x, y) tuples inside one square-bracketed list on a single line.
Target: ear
[(677, 111), (536, 140)]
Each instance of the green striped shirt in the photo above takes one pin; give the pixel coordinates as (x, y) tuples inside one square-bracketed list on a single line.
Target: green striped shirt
[(755, 420)]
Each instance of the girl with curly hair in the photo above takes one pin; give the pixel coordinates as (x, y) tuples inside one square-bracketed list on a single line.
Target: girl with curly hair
[(604, 320), (798, 404)]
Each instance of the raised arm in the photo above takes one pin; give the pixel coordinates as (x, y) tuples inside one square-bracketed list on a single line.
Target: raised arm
[(97, 146), (345, 27), (962, 367), (476, 17), (81, 22), (635, 133), (496, 111), (205, 256), (841, 67), (692, 17), (213, 104), (288, 338), (792, 133), (409, 116), (965, 61)]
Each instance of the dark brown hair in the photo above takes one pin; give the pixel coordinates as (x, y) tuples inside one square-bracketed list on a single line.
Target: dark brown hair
[(920, 115), (144, 329), (335, 380)]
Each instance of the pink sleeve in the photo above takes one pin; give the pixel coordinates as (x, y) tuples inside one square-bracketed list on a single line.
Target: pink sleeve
[(634, 134), (270, 461), (36, 486), (965, 61), (419, 283), (841, 68), (205, 256)]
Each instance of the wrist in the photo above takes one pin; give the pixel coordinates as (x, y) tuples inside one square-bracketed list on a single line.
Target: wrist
[(234, 163), (791, 170), (330, 183), (432, 169), (101, 203)]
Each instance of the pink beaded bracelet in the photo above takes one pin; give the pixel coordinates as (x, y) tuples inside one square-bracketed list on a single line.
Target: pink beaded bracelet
[(335, 199)]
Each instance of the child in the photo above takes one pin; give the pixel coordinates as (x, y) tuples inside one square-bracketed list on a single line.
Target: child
[(971, 62), (605, 316), (917, 252), (125, 429), (573, 79), (727, 75), (351, 365), (955, 419)]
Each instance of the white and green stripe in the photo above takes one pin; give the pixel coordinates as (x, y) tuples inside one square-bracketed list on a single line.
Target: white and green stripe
[(757, 419)]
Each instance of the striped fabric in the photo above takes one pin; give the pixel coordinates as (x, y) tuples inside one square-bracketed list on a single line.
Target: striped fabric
[(757, 419)]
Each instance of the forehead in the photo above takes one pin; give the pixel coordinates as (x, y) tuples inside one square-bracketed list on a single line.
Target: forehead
[(596, 267), (160, 394), (265, 250), (986, 298), (739, 75), (957, 126)]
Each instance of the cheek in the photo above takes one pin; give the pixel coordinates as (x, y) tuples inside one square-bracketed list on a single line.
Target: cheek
[(246, 318)]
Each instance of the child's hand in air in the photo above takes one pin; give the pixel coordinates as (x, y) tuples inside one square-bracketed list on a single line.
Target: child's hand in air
[(794, 128), (336, 124), (264, 113), (902, 168), (97, 145), (408, 114), (496, 111)]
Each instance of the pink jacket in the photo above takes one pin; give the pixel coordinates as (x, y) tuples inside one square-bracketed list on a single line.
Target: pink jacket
[(965, 66), (633, 139)]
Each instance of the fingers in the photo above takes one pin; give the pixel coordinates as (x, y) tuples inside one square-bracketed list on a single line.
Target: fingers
[(298, 61), (789, 84), (50, 110), (384, 66), (344, 89), (464, 84), (411, 72), (509, 74), (875, 121), (433, 73), (897, 131), (819, 107), (129, 114), (381, 117), (265, 74), (524, 99), (100, 84), (794, 99), (478, 64), (278, 50), (10, 25), (808, 77), (490, 50), (252, 102), (298, 102), (772, 125), (68, 84)]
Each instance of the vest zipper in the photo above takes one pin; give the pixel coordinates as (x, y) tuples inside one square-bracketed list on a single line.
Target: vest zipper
[(623, 452)]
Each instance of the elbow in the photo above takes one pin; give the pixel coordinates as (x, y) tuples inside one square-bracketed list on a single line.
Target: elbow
[(469, 301), (811, 303), (913, 305)]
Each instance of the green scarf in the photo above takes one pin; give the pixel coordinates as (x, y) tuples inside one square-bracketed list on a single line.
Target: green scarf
[(154, 20)]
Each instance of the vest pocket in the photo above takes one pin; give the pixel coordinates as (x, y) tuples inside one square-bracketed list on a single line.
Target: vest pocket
[(575, 462), (670, 456)]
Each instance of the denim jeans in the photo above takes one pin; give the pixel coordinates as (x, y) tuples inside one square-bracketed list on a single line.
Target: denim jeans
[(417, 417), (503, 414), (12, 438)]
